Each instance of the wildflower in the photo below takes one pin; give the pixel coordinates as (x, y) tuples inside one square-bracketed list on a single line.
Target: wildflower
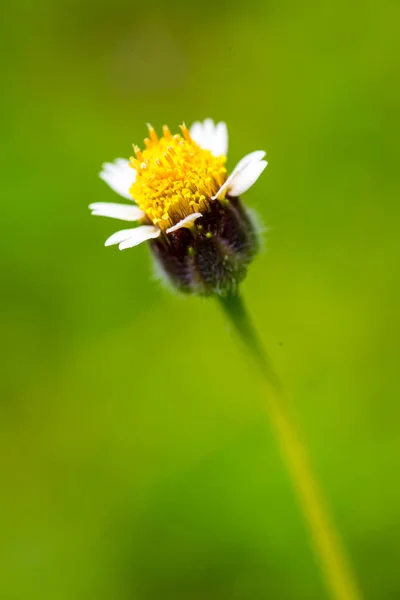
[(187, 206)]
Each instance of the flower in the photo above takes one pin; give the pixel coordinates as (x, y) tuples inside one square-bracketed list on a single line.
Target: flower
[(187, 206)]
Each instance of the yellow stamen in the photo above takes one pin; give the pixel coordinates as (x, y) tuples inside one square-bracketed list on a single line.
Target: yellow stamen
[(186, 133), (152, 133), (170, 160), (166, 132), (138, 153), (175, 177)]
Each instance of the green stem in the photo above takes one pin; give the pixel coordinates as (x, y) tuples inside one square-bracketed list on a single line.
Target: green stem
[(236, 312), (338, 576)]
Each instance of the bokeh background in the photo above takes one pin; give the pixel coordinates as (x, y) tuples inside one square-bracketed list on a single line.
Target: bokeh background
[(137, 461)]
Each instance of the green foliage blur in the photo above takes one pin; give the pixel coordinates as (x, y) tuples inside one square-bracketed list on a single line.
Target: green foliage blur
[(137, 461)]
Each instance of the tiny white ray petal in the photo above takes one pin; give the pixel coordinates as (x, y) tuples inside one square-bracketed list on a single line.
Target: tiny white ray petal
[(246, 178), (224, 186), (119, 236), (246, 160), (208, 126), (242, 164), (220, 142), (124, 212), (184, 222), (119, 175), (197, 133), (141, 234), (207, 136)]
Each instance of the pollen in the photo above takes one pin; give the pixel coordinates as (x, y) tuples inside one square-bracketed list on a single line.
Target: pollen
[(174, 177)]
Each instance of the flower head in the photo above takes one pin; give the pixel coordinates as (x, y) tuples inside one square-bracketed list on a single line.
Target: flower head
[(187, 206)]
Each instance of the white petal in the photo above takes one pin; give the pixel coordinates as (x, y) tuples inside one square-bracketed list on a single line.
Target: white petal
[(119, 175), (199, 134), (184, 222), (136, 235), (252, 158), (146, 232), (119, 236), (125, 212), (246, 160), (210, 136), (220, 147), (196, 132), (208, 128), (247, 178)]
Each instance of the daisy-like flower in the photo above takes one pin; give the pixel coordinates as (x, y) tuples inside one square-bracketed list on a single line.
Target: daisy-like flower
[(187, 206)]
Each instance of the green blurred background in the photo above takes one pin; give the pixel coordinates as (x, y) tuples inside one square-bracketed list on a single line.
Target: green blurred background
[(136, 459)]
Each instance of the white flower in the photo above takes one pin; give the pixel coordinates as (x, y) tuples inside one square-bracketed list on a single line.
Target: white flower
[(163, 209)]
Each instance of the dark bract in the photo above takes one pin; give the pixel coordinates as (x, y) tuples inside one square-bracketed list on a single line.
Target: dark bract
[(212, 256)]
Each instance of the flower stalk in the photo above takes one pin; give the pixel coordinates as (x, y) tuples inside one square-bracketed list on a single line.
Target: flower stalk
[(337, 573)]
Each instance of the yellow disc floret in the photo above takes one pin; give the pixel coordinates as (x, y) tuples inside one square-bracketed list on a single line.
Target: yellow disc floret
[(174, 177)]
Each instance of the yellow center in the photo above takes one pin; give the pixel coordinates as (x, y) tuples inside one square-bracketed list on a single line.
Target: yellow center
[(174, 177)]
